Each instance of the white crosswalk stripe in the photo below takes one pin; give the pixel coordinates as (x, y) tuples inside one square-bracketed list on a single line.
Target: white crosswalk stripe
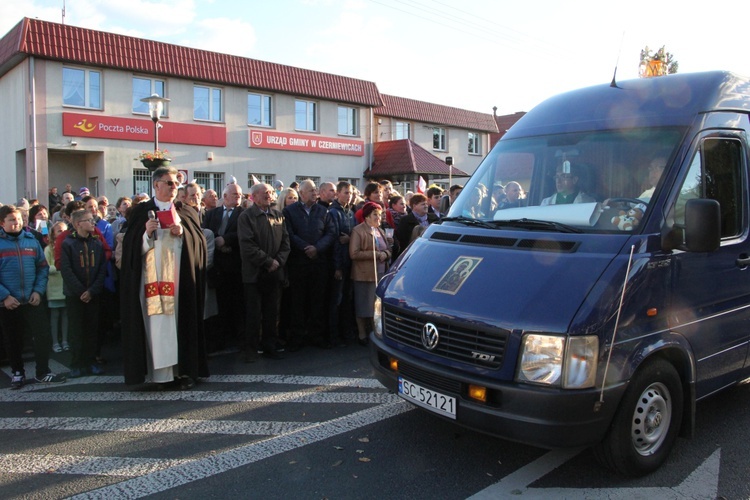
[(363, 399)]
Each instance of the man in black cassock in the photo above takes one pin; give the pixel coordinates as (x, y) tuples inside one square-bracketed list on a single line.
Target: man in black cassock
[(149, 336)]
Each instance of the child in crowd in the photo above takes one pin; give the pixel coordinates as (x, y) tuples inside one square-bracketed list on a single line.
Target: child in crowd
[(55, 296), (83, 267), (23, 281)]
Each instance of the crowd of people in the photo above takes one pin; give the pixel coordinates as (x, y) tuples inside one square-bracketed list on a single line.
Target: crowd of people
[(184, 274)]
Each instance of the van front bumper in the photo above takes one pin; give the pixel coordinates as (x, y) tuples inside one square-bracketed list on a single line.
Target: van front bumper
[(547, 417)]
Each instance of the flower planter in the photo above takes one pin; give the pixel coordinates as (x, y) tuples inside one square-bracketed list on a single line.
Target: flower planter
[(152, 165)]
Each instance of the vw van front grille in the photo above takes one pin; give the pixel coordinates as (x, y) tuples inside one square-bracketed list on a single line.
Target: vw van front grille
[(474, 346)]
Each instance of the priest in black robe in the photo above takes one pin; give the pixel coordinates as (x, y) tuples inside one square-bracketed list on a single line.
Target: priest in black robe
[(147, 334)]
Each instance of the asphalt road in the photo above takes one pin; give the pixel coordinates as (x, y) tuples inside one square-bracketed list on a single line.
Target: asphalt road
[(314, 425)]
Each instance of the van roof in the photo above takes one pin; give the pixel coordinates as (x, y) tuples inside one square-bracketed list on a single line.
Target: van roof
[(671, 100)]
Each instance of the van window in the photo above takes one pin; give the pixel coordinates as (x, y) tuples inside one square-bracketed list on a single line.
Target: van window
[(565, 178), (715, 173)]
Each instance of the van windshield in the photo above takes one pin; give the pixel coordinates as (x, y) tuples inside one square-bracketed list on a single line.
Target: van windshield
[(588, 181)]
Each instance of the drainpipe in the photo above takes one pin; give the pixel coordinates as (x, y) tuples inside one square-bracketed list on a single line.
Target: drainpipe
[(32, 124), (372, 143)]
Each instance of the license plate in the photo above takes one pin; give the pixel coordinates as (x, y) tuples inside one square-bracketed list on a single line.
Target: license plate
[(427, 398)]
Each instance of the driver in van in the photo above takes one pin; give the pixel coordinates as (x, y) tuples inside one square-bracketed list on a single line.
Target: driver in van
[(568, 190), (655, 168)]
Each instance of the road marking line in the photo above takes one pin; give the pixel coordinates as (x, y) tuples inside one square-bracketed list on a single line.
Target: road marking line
[(703, 482), (152, 425), (312, 396), (364, 383), (194, 470), (84, 465)]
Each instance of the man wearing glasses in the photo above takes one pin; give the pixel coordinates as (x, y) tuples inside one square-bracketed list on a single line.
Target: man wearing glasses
[(163, 289), (568, 190)]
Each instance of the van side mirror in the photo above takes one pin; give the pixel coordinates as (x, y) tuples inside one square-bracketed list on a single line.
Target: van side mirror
[(702, 229), (702, 225)]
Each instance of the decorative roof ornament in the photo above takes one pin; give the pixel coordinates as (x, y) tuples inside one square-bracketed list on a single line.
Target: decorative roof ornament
[(658, 63)]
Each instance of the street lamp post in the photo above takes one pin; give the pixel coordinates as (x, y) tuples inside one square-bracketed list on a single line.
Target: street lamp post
[(155, 109), (449, 162)]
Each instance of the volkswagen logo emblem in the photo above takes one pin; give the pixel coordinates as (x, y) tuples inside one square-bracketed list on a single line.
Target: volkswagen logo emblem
[(430, 336)]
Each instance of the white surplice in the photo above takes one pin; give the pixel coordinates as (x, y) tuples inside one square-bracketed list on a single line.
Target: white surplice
[(161, 329)]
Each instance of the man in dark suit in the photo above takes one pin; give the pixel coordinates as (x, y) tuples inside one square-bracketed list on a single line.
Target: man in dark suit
[(264, 246), (311, 236), (225, 275)]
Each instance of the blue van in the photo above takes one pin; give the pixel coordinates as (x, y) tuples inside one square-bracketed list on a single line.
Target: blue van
[(600, 307)]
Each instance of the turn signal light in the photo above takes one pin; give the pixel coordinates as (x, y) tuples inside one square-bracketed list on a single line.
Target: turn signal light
[(478, 392), (394, 364)]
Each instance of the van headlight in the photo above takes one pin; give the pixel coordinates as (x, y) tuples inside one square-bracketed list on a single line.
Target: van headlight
[(377, 319), (568, 362)]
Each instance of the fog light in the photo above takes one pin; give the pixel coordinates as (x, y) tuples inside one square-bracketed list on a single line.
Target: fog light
[(394, 364), (478, 392)]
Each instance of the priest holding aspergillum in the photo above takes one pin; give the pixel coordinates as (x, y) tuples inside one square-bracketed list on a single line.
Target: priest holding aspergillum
[(162, 290)]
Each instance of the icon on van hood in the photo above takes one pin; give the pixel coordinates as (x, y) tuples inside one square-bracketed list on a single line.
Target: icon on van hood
[(458, 272)]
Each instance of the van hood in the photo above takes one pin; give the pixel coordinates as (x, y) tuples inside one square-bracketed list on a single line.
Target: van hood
[(501, 283)]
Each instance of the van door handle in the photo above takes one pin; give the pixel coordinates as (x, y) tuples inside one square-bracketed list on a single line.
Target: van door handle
[(743, 260)]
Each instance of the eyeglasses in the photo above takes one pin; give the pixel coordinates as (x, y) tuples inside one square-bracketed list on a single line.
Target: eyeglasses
[(91, 220), (564, 177), (170, 183)]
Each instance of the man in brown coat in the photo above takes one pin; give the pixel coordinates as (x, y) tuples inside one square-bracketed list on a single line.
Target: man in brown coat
[(264, 249)]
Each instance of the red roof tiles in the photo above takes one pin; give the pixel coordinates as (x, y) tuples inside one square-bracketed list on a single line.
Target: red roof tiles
[(504, 122), (405, 157), (84, 46), (410, 109)]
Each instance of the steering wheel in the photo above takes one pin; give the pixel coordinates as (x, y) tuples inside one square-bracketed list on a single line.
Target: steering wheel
[(630, 201)]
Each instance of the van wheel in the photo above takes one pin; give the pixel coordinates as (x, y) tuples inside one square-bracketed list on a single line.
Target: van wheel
[(646, 424)]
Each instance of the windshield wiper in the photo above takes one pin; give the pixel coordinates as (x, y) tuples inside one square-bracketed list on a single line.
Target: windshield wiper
[(538, 224), (469, 222)]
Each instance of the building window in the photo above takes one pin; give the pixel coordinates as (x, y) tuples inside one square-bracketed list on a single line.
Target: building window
[(305, 115), (348, 121), (207, 103), (315, 179), (141, 181), (146, 87), (438, 139), (259, 109), (211, 180), (475, 143), (403, 131), (82, 88), (354, 181), (262, 178)]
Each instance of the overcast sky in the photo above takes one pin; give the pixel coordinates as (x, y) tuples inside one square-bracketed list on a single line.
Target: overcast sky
[(469, 54)]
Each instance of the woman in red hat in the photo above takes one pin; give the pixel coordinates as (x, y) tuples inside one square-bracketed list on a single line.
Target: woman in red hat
[(370, 252)]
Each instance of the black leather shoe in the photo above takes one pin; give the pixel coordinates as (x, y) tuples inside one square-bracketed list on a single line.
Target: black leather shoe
[(365, 341), (272, 354), (185, 383)]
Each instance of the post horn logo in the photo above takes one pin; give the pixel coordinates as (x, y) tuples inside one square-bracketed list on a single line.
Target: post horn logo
[(85, 126), (256, 137)]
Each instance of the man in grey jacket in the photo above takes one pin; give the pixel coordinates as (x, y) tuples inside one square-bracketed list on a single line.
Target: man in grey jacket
[(264, 249)]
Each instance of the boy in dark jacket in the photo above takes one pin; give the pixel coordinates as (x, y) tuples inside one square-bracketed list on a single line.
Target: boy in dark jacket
[(83, 268)]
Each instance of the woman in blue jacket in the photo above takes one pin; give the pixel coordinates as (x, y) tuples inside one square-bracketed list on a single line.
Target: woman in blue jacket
[(23, 281)]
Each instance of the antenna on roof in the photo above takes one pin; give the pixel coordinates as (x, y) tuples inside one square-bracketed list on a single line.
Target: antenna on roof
[(63, 12), (613, 83)]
